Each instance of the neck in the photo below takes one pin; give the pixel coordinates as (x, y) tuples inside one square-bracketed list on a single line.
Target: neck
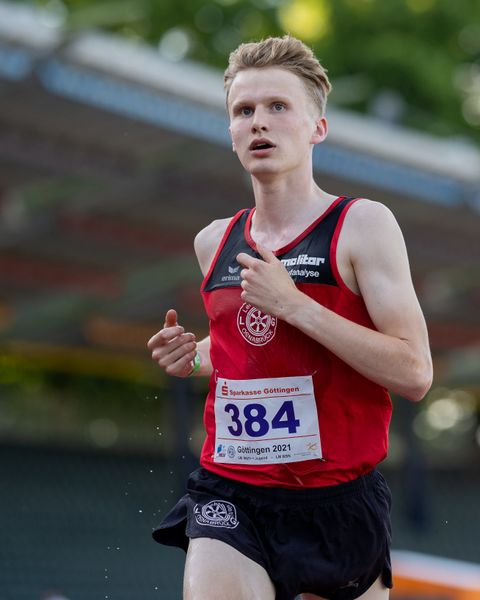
[(285, 203)]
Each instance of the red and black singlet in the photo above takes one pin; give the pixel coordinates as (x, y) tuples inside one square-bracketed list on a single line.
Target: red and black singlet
[(353, 412)]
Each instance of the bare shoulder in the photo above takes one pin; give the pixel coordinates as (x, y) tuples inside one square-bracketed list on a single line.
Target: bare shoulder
[(370, 224), (370, 242), (367, 212), (207, 240)]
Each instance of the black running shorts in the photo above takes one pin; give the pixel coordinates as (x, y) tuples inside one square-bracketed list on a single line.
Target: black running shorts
[(332, 541)]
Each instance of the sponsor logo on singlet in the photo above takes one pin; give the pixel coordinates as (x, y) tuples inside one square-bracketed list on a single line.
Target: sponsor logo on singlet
[(303, 261), (233, 274), (216, 513), (257, 327)]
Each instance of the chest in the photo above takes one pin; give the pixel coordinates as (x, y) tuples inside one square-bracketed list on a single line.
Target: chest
[(308, 259)]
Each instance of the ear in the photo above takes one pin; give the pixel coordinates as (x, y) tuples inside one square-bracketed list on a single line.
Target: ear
[(233, 143), (320, 132)]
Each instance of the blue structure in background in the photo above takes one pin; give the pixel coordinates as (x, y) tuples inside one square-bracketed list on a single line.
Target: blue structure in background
[(133, 101)]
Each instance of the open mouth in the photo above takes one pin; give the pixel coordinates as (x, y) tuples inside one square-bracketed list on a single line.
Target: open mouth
[(261, 145)]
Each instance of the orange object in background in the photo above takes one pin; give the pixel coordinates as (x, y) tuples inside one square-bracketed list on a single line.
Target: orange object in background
[(421, 577)]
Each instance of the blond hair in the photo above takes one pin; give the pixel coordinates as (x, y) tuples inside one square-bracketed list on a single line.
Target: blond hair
[(288, 53)]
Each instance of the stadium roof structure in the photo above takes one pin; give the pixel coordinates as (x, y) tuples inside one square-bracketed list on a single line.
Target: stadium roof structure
[(111, 158)]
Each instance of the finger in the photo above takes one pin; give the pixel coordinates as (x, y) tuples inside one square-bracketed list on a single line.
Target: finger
[(246, 260), (178, 353), (164, 336), (171, 318), (267, 255), (166, 348), (182, 366)]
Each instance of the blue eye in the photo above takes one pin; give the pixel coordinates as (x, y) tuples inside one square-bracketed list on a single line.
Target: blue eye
[(246, 111), (278, 107)]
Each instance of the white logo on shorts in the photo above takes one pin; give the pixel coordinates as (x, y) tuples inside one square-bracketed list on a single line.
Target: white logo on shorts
[(216, 513), (256, 327)]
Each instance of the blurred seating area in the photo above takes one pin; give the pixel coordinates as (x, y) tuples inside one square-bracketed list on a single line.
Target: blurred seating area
[(80, 523)]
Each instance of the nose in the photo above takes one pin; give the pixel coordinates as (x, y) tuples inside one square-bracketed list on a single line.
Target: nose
[(259, 121)]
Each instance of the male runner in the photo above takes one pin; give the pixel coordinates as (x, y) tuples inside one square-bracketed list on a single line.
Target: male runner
[(313, 316)]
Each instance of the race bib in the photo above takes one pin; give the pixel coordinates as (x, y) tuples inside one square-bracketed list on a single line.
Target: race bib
[(266, 421)]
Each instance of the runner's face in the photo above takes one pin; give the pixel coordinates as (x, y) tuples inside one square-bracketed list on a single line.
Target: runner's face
[(273, 106)]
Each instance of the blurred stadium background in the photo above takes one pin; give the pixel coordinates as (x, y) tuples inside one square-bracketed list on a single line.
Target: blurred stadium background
[(113, 153)]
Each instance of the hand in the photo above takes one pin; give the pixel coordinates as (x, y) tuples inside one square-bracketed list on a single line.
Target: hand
[(266, 283), (172, 348)]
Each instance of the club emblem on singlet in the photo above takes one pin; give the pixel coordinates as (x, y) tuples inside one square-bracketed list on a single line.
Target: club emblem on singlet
[(256, 327), (216, 513)]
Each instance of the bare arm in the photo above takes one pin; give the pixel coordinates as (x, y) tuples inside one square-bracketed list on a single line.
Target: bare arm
[(173, 348), (397, 356)]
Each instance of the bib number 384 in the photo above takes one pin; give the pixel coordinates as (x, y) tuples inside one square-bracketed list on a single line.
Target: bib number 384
[(266, 421)]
